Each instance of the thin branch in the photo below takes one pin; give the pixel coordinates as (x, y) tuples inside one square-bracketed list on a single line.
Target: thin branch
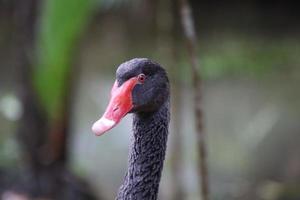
[(191, 40)]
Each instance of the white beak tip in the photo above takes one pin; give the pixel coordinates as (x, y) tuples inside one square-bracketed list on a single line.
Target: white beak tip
[(102, 125)]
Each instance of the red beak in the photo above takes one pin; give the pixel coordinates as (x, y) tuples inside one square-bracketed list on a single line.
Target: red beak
[(119, 105)]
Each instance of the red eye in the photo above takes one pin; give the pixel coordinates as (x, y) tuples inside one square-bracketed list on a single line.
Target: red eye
[(141, 78)]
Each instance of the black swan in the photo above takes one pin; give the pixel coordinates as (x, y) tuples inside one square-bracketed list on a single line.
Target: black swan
[(141, 88)]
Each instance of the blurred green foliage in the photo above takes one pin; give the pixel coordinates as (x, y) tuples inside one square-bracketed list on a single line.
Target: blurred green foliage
[(248, 56), (243, 56), (60, 26)]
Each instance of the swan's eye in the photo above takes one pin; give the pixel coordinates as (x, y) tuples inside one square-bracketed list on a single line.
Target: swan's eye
[(141, 78)]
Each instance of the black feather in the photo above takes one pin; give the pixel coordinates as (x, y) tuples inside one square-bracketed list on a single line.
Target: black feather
[(150, 129)]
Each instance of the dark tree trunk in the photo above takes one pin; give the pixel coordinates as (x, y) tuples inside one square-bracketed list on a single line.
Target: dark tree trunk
[(43, 142)]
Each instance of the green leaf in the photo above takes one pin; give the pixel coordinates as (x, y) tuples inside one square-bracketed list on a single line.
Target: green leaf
[(61, 24)]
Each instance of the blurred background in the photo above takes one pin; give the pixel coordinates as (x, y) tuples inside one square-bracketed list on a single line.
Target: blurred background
[(57, 65)]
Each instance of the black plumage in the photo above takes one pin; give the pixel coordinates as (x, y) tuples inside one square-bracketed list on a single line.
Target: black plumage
[(150, 129)]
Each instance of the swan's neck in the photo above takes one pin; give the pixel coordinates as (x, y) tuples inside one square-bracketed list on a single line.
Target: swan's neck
[(146, 156)]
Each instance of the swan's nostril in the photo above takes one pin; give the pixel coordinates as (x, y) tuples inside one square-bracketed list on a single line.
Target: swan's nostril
[(116, 108)]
